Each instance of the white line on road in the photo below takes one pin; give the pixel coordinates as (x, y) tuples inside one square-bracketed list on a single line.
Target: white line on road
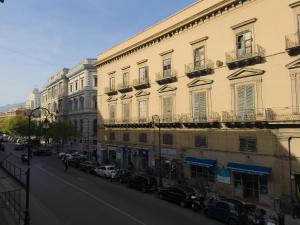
[(93, 197)]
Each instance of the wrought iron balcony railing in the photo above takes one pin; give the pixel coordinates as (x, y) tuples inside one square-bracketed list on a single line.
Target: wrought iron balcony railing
[(110, 91), (282, 115), (292, 43), (193, 70), (141, 83), (123, 88), (211, 117), (249, 56), (165, 77)]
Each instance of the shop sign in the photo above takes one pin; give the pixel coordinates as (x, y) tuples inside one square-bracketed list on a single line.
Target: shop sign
[(169, 153), (223, 176)]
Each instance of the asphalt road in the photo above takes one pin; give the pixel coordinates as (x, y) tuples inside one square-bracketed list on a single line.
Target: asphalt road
[(77, 198)]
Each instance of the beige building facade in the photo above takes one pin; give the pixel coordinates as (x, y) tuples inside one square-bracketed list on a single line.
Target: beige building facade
[(221, 80)]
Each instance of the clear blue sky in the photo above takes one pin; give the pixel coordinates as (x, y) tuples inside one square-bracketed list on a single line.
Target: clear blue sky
[(38, 37)]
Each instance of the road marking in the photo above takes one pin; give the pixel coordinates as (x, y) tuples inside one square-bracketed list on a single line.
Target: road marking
[(93, 197)]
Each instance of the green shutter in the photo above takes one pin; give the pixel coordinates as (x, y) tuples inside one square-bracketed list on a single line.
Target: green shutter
[(245, 101)]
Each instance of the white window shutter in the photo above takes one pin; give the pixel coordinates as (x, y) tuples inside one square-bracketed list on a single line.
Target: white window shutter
[(199, 106), (240, 104)]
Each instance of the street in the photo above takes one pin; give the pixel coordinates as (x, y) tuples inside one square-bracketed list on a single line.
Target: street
[(76, 198)]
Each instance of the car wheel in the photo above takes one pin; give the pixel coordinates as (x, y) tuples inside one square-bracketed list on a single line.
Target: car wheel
[(232, 222), (161, 196), (182, 204)]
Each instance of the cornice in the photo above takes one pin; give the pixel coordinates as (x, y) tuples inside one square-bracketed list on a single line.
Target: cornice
[(295, 4), (166, 52), (174, 30), (142, 61), (243, 23), (199, 40)]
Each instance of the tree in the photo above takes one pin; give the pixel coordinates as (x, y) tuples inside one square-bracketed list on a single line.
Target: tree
[(61, 130)]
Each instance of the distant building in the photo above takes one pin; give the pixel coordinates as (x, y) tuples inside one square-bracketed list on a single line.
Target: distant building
[(34, 99)]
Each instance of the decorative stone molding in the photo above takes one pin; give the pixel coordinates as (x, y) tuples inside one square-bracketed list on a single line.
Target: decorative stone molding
[(199, 82), (125, 67), (142, 93), (166, 52), (245, 72), (142, 61), (166, 88), (199, 40), (243, 23), (295, 4), (112, 99), (294, 64), (126, 96)]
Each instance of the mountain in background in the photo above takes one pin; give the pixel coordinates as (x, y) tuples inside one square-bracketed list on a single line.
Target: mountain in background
[(5, 108)]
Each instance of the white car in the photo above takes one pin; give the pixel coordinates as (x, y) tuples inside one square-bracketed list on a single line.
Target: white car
[(107, 171)]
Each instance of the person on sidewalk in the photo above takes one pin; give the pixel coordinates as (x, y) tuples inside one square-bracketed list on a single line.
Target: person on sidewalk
[(66, 162)]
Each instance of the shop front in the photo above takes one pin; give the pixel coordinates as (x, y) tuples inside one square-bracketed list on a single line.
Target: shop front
[(141, 158), (250, 181), (169, 163), (201, 168), (297, 186), (114, 156), (127, 158)]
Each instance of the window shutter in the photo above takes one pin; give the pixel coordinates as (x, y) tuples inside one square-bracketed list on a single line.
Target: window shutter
[(126, 112), (240, 101), (196, 107), (298, 93), (143, 112), (200, 106), (167, 109)]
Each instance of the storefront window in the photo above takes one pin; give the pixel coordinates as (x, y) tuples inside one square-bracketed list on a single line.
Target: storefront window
[(263, 185), (237, 180), (203, 172)]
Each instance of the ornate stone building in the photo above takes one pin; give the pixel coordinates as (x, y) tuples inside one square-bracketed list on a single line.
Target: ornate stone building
[(223, 77)]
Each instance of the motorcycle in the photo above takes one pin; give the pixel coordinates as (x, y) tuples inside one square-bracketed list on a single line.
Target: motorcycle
[(197, 203)]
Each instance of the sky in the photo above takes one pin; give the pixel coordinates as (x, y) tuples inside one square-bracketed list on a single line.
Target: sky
[(39, 37)]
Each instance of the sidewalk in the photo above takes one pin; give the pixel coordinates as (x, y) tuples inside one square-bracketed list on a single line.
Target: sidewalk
[(290, 221)]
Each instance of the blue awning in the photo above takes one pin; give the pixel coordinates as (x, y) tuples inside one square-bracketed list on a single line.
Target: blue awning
[(252, 169), (200, 162)]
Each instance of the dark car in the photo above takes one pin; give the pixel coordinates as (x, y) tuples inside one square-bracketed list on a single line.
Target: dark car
[(2, 148), (75, 161), (88, 166), (19, 147), (182, 195), (123, 176), (42, 152), (225, 211), (144, 183)]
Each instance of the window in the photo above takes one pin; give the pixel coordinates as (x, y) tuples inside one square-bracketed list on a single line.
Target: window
[(76, 85), (237, 177), (81, 127), (199, 106), (126, 79), (81, 83), (95, 81), (143, 75), (81, 103), (207, 173), (71, 88), (112, 83), (75, 104), (112, 136), (167, 68), (94, 127), (143, 111), (143, 137), (245, 104), (263, 184), (167, 109), (126, 137), (112, 113), (75, 124), (95, 102), (201, 141), (126, 112), (167, 139), (244, 44), (248, 144), (199, 57)]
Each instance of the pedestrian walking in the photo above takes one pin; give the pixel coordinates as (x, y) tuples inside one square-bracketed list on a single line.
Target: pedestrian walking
[(66, 162)]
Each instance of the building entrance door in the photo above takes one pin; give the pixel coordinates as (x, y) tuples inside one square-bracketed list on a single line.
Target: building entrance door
[(297, 186), (250, 186)]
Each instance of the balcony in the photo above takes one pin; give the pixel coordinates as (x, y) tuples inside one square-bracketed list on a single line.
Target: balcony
[(292, 43), (192, 70), (123, 88), (141, 84), (249, 57), (110, 91), (132, 123), (268, 117), (165, 77), (211, 120)]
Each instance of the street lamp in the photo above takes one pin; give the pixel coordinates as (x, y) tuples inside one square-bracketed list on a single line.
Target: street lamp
[(46, 126), (156, 122), (290, 165)]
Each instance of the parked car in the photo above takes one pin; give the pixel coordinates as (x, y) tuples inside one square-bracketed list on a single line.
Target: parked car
[(182, 195), (123, 176), (2, 147), (225, 211), (144, 183), (75, 161), (106, 171), (88, 166), (19, 147)]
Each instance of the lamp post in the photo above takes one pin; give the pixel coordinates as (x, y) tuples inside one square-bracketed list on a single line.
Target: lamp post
[(45, 125), (156, 119), (290, 165)]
